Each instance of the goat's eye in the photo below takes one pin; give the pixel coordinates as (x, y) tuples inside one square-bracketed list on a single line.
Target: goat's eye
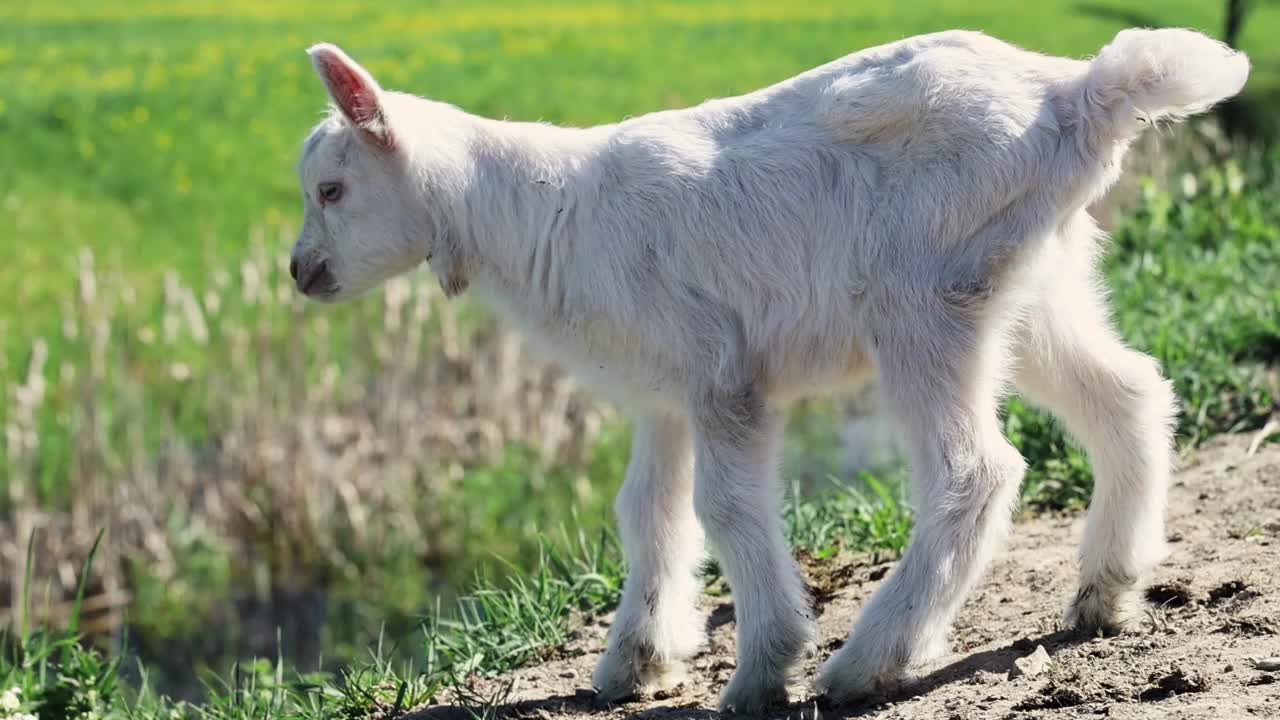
[(330, 192)]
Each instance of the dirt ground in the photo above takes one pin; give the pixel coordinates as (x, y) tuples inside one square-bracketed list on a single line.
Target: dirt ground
[(1215, 611)]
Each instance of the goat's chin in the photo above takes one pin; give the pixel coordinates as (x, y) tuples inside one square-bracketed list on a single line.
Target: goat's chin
[(349, 289), (330, 298), (339, 293)]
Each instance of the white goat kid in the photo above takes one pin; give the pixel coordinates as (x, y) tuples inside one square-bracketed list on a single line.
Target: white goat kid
[(915, 211)]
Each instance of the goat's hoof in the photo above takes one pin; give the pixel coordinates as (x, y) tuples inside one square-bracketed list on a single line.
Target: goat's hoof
[(1109, 611), (848, 677), (938, 647), (620, 676), (748, 696), (809, 650)]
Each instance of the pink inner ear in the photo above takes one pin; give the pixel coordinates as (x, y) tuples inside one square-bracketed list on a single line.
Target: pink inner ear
[(352, 90)]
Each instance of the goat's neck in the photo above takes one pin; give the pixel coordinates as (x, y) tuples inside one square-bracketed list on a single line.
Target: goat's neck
[(525, 204)]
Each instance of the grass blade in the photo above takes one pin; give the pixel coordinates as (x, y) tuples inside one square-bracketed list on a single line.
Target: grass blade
[(73, 625)]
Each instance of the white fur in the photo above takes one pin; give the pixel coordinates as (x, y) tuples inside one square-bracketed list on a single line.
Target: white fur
[(914, 211)]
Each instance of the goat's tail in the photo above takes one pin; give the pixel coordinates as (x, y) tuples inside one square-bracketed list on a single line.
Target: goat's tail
[(1146, 75)]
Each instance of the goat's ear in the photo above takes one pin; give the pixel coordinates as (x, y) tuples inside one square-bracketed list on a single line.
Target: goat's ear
[(354, 91)]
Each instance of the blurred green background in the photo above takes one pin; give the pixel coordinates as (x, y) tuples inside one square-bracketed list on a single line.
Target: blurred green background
[(308, 476), (160, 133)]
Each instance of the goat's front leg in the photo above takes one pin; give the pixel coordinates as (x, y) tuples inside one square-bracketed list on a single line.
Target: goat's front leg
[(657, 626), (737, 499)]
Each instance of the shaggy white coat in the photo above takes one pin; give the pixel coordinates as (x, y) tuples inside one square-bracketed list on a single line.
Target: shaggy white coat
[(914, 212)]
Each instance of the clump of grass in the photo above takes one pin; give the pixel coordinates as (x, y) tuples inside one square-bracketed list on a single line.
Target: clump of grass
[(500, 625), (51, 673), (873, 514)]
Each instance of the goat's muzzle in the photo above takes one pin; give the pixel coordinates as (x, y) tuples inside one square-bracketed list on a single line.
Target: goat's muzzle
[(315, 278)]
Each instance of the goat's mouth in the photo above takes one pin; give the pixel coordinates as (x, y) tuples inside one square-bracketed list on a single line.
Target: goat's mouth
[(325, 294)]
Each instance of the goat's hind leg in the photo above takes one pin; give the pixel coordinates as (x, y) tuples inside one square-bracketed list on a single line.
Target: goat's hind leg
[(657, 626), (1116, 403), (941, 381)]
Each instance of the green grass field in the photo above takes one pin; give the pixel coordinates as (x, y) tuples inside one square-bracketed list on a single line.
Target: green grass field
[(171, 370), (159, 133)]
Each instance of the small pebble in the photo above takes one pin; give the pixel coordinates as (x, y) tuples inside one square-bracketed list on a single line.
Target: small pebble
[(1031, 665), (1267, 664)]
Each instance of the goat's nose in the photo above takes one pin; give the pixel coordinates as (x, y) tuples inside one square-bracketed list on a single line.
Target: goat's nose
[(293, 269)]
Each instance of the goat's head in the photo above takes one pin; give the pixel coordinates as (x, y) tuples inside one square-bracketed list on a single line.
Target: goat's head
[(364, 215)]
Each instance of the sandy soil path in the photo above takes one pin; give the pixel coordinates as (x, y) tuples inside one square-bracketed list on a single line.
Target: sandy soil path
[(1215, 611)]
